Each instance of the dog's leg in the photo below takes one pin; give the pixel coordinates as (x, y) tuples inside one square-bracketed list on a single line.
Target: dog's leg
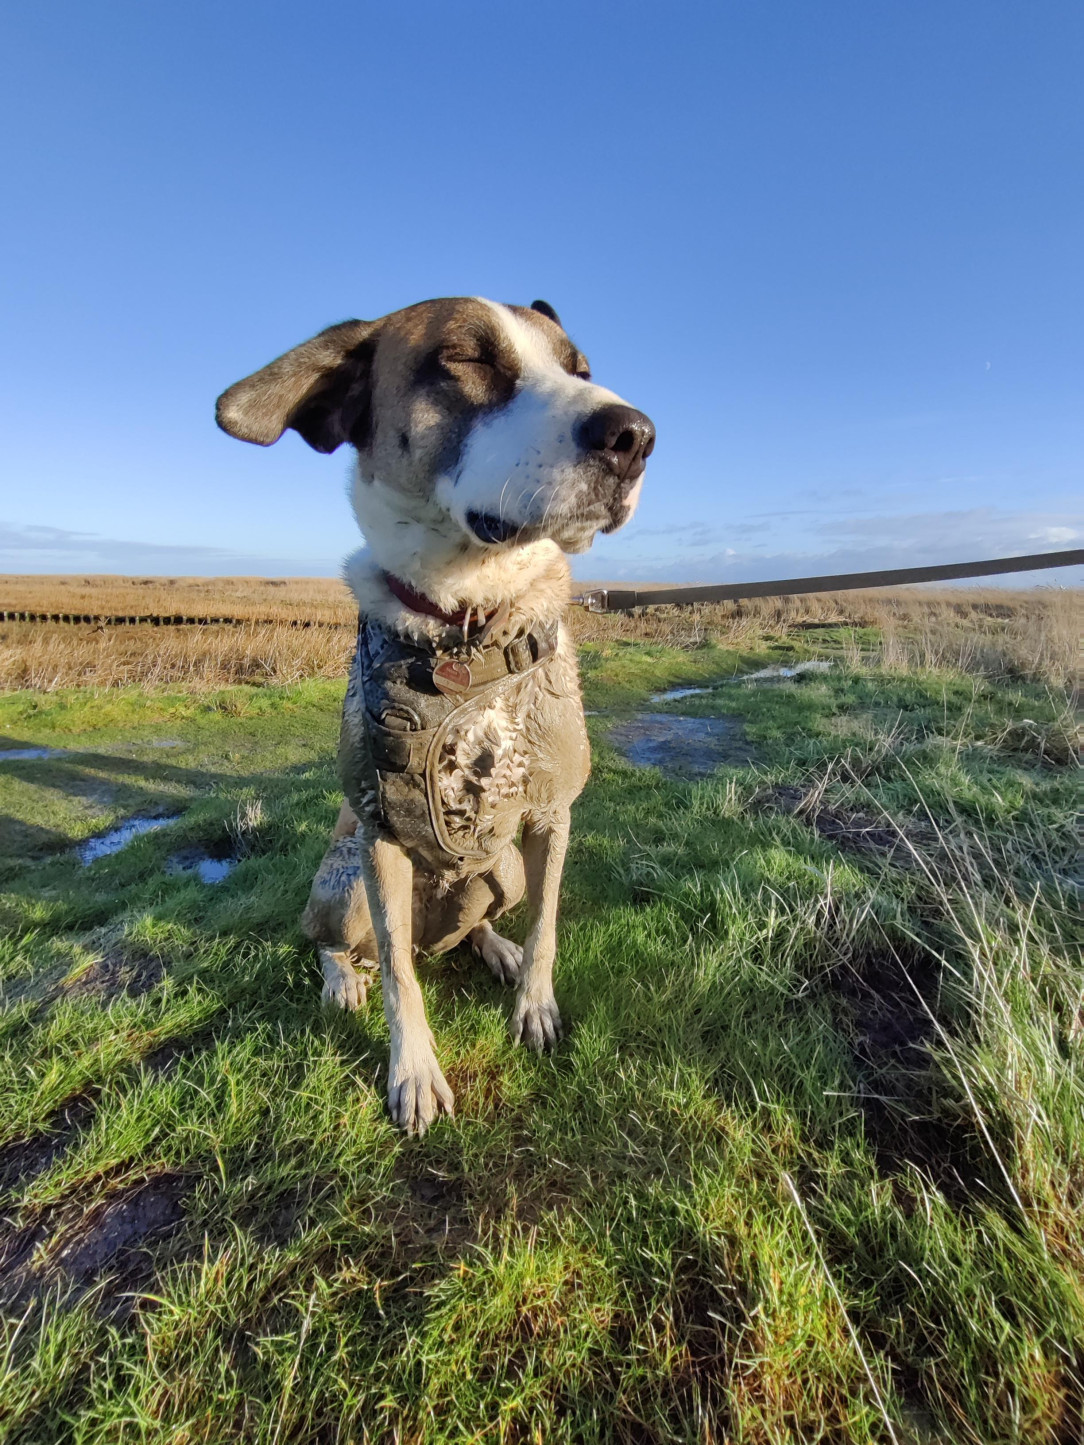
[(337, 919), (417, 1090), (535, 1019), (500, 955), (345, 985), (346, 824)]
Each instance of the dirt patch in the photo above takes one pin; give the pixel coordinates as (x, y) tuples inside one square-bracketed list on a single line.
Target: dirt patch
[(113, 1233), (113, 974), (22, 1160), (114, 1239), (856, 832), (890, 1013), (682, 747), (438, 1212)]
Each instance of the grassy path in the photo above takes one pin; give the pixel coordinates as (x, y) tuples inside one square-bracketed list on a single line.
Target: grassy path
[(808, 1166)]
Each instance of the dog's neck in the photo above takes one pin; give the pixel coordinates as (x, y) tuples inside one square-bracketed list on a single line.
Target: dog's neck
[(419, 602), (415, 541)]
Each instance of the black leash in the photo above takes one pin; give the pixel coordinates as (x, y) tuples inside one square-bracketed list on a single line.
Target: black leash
[(620, 599)]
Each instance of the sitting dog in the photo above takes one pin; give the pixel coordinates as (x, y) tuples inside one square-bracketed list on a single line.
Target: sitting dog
[(484, 452)]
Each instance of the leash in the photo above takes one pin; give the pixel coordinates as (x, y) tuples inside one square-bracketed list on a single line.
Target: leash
[(622, 599)]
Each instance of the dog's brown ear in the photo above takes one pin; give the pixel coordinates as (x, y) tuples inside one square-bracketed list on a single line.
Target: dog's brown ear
[(322, 389), (546, 309)]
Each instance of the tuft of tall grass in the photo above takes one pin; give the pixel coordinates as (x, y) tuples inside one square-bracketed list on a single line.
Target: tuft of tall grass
[(1032, 634), (45, 657)]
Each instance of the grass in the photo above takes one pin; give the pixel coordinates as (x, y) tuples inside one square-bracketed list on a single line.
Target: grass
[(1032, 635), (808, 1167)]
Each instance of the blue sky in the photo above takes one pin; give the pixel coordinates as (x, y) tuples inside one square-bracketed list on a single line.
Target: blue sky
[(834, 249)]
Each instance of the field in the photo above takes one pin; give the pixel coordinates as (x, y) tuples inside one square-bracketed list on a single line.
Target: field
[(809, 1165), (293, 628)]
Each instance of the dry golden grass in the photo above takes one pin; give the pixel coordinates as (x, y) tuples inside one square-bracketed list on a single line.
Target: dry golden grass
[(277, 599), (268, 649), (1033, 634), (46, 656)]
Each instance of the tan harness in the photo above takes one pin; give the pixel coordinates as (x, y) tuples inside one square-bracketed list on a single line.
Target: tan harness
[(402, 701)]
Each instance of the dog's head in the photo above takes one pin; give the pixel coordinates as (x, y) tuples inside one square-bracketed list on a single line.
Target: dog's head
[(481, 418)]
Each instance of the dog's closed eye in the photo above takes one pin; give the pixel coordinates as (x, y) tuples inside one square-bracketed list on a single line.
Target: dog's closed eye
[(468, 353), (456, 359)]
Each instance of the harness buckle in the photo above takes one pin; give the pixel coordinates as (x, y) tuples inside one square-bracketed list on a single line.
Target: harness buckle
[(519, 654)]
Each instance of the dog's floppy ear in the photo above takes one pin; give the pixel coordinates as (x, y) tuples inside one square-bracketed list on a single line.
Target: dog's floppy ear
[(322, 389), (546, 309)]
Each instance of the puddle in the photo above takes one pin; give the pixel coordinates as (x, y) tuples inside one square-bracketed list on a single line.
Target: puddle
[(672, 694), (682, 747), (766, 674), (24, 755), (210, 863), (116, 838), (770, 674), (167, 743)]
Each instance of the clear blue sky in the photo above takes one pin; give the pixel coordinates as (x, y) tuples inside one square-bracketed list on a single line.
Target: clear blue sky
[(835, 248)]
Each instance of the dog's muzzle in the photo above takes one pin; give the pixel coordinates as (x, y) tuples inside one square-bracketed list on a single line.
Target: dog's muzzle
[(616, 441)]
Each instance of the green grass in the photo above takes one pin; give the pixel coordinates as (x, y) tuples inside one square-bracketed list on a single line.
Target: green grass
[(807, 1167)]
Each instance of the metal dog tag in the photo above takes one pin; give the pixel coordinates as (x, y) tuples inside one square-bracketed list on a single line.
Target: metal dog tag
[(451, 676)]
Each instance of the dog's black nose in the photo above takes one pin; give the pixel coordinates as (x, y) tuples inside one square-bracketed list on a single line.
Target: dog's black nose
[(621, 436)]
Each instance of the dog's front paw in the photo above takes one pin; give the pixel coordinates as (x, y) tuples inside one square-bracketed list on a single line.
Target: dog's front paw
[(344, 986), (536, 1022), (417, 1090), (501, 956)]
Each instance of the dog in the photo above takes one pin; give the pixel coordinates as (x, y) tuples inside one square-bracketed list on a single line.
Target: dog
[(485, 451)]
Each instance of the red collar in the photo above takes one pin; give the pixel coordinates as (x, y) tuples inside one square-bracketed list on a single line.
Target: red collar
[(419, 602)]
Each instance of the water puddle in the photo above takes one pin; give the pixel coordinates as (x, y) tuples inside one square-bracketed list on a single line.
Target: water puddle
[(766, 674), (211, 863), (672, 694), (796, 669), (25, 755), (682, 747), (116, 838)]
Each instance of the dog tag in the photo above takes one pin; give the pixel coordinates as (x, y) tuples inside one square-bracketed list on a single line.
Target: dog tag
[(451, 676)]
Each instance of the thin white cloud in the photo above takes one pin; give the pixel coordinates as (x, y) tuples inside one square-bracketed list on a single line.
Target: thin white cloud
[(54, 549), (850, 544)]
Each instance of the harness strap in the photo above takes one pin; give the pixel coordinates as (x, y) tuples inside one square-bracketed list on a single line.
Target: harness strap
[(399, 745)]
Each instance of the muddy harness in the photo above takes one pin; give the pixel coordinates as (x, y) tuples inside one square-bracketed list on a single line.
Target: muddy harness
[(402, 701)]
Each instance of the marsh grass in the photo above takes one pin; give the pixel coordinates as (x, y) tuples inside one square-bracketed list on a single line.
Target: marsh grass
[(808, 1167), (995, 632)]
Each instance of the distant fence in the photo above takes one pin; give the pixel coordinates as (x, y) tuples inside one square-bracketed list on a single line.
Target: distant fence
[(160, 619)]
